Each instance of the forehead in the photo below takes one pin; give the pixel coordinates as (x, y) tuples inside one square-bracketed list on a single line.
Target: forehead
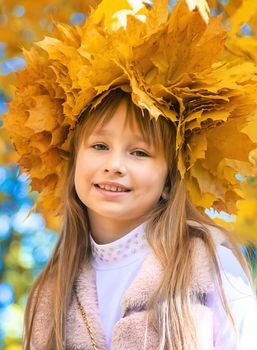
[(111, 129), (120, 120), (104, 132), (144, 128)]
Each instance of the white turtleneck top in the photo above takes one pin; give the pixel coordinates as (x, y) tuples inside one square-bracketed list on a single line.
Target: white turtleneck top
[(117, 263)]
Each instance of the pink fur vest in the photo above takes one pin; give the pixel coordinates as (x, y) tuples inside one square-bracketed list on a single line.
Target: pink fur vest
[(132, 331)]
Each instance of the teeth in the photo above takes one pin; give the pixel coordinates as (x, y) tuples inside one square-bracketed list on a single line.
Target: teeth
[(111, 188)]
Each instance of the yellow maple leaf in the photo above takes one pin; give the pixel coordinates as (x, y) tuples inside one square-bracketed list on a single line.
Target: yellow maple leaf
[(202, 6)]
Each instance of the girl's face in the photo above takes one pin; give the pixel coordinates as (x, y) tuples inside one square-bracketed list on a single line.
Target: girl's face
[(116, 155)]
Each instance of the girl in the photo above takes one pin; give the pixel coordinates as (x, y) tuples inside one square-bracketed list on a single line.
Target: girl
[(138, 107), (136, 266)]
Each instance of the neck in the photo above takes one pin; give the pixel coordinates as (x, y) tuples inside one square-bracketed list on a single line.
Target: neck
[(106, 231)]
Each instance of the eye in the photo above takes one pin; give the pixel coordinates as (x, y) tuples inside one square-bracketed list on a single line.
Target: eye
[(141, 153), (100, 145)]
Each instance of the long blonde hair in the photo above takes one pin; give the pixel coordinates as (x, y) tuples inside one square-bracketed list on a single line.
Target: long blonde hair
[(167, 231)]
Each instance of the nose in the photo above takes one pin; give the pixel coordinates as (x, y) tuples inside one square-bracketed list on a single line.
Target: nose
[(116, 163)]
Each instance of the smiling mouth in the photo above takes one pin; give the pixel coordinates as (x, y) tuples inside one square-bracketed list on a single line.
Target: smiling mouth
[(113, 191)]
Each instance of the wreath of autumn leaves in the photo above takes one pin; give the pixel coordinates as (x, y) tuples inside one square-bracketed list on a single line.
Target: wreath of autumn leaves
[(175, 64)]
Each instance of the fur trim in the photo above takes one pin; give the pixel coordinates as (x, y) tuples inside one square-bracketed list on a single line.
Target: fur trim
[(77, 334), (43, 320), (143, 285), (132, 331)]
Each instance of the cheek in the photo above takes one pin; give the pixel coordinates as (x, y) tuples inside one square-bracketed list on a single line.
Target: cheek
[(160, 178), (82, 164), (153, 178), (86, 170), (80, 172)]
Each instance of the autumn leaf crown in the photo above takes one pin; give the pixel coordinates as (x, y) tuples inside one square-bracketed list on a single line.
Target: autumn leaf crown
[(165, 59)]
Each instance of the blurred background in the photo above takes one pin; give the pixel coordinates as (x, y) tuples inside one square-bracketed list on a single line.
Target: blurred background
[(26, 243)]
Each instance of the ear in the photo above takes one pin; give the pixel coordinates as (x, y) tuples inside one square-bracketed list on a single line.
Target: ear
[(165, 193), (166, 189)]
